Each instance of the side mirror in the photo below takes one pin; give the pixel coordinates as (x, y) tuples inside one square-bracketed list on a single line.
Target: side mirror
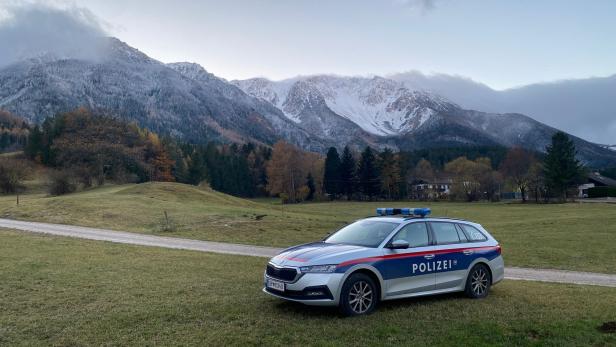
[(399, 244)]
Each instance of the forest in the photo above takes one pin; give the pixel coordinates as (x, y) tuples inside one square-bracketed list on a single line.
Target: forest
[(85, 149)]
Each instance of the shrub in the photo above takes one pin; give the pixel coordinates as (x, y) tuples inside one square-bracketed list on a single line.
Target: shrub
[(61, 183), (12, 174)]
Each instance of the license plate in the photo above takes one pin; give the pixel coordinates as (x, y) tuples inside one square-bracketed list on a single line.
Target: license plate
[(279, 286)]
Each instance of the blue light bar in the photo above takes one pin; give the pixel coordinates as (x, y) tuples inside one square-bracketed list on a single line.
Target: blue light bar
[(405, 211)]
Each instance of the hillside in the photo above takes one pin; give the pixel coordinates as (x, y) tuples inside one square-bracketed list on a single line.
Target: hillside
[(314, 112), (129, 84)]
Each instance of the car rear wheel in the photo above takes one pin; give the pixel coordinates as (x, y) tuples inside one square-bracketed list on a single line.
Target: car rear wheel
[(359, 295), (478, 282)]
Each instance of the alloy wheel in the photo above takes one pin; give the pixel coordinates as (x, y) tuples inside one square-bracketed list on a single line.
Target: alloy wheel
[(479, 281), (361, 297)]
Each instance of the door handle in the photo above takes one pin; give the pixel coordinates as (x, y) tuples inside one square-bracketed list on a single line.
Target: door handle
[(429, 256), (468, 252)]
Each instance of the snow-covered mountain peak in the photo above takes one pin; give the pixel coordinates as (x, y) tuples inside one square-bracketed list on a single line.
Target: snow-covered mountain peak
[(302, 96), (117, 50), (193, 71), (379, 105)]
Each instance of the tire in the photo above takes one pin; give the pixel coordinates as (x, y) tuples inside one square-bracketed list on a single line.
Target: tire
[(359, 295), (478, 282)]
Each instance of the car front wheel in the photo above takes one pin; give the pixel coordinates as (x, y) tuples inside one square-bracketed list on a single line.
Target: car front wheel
[(359, 295), (478, 282)]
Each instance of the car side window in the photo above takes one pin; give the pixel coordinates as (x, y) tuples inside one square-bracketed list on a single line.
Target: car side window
[(445, 233), (416, 234), (473, 233)]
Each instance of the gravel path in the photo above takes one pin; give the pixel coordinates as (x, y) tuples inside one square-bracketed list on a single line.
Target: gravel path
[(512, 273)]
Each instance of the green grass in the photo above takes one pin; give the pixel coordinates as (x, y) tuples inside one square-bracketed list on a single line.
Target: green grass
[(62, 291), (562, 236)]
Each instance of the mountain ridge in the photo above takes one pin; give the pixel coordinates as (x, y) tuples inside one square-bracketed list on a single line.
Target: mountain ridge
[(312, 112), (411, 119), (127, 83)]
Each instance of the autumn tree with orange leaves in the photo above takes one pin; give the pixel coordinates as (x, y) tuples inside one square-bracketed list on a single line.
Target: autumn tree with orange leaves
[(288, 169)]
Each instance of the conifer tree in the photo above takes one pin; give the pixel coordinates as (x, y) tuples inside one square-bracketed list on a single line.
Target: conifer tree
[(368, 174), (348, 173), (35, 139), (311, 187), (331, 175), (560, 166)]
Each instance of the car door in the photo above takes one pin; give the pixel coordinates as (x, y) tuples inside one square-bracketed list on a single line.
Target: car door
[(404, 270), (452, 258), (473, 248)]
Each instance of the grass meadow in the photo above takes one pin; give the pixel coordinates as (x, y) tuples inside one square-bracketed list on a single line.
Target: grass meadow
[(70, 292), (560, 236)]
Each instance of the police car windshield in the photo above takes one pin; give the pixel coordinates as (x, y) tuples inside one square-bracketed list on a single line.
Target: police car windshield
[(367, 233)]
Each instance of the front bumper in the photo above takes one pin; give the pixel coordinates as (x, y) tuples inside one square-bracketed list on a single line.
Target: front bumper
[(306, 287)]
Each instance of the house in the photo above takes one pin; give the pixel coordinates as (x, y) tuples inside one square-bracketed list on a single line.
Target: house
[(430, 189), (594, 179)]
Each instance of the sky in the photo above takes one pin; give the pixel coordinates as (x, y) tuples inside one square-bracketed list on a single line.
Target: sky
[(503, 44)]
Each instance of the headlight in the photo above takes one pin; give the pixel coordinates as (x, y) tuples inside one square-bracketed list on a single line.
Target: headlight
[(318, 268)]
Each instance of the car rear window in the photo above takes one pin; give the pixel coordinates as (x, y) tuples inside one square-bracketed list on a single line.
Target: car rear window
[(473, 233)]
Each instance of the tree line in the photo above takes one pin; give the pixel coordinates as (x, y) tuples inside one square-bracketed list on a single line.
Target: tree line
[(389, 175), (86, 149)]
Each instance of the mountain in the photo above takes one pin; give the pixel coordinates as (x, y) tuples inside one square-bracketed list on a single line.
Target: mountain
[(178, 99), (378, 105), (403, 117), (313, 112), (584, 107)]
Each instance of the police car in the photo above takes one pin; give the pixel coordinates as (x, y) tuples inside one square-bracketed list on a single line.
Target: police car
[(400, 253)]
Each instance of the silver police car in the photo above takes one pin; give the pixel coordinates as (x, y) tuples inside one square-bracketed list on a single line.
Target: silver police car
[(400, 253)]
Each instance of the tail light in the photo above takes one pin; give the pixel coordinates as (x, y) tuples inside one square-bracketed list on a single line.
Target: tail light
[(498, 249)]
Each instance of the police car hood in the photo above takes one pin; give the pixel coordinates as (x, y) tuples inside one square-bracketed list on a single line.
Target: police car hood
[(320, 253)]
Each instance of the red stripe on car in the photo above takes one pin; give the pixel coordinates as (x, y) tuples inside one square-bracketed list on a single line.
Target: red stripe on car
[(416, 254)]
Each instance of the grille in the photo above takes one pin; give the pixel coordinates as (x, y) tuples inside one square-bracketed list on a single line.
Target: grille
[(284, 273)]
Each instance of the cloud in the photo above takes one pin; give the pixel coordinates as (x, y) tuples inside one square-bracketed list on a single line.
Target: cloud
[(421, 5), (34, 29)]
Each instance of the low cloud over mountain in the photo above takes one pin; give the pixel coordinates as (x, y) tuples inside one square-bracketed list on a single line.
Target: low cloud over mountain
[(583, 107), (33, 30)]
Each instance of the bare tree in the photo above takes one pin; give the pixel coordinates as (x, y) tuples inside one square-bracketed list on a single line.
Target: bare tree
[(473, 180), (12, 174), (516, 168), (536, 181)]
